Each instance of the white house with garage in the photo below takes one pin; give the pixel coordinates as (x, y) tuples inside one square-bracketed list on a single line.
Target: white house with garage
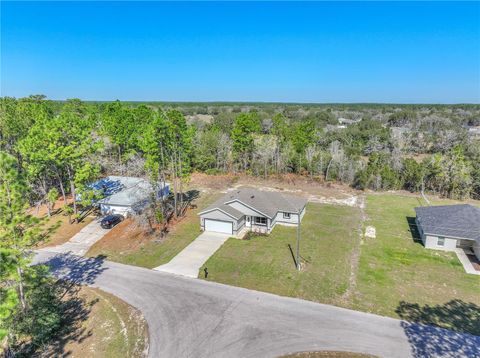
[(126, 195), (450, 227), (253, 210)]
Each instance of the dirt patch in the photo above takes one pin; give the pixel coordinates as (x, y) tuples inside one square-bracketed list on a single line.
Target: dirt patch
[(65, 231), (328, 354), (126, 236), (311, 188), (130, 235), (41, 210), (133, 243), (209, 182)]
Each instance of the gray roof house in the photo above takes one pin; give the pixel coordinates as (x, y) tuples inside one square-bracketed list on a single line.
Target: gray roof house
[(125, 195), (448, 227), (251, 209)]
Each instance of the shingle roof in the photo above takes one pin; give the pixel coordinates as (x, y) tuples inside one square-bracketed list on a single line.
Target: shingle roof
[(459, 221), (124, 191), (266, 202), (231, 211)]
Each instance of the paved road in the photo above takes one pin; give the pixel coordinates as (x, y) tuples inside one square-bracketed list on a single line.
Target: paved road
[(195, 318), (81, 242), (190, 260)]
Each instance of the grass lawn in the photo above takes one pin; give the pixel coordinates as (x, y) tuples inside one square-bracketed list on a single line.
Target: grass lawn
[(394, 268), (395, 276), (112, 328), (328, 234), (129, 245)]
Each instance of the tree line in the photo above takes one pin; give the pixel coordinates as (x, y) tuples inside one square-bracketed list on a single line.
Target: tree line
[(63, 146)]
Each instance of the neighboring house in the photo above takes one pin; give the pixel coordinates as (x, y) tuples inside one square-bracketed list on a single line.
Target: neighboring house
[(474, 132), (346, 121), (125, 195), (253, 210), (449, 227)]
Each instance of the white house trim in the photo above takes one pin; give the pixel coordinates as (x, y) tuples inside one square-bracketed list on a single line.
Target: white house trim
[(248, 206), (223, 211)]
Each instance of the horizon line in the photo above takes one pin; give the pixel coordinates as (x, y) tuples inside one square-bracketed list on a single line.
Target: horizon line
[(256, 102)]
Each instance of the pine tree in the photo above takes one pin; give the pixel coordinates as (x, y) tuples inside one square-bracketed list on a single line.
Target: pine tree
[(19, 233)]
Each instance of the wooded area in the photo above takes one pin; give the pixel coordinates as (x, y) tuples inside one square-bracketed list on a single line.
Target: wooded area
[(62, 146)]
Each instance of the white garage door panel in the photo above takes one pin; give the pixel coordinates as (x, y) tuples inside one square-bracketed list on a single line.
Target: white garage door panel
[(218, 226)]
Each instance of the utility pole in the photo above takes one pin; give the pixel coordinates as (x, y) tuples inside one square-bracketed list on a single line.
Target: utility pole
[(298, 242)]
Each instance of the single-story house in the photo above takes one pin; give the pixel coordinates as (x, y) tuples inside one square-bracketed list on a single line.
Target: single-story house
[(253, 210), (125, 195), (448, 227)]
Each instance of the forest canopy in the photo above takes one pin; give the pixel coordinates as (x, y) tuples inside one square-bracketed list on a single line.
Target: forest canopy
[(63, 145)]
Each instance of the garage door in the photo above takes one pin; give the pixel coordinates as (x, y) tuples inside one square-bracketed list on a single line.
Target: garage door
[(218, 226)]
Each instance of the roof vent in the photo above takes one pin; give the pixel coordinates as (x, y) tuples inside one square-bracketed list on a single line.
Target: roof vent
[(252, 196)]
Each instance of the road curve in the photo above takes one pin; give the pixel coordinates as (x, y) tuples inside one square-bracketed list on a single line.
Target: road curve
[(195, 318)]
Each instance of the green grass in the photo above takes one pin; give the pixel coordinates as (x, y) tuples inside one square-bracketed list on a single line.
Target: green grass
[(265, 262), (394, 268), (152, 253)]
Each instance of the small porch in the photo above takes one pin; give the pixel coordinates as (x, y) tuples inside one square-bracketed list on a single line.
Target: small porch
[(259, 224)]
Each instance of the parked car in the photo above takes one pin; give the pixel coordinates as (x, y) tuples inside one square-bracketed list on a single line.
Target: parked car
[(110, 221)]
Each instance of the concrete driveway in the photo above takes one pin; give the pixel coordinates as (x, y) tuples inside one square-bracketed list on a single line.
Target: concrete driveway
[(191, 259), (81, 242), (197, 318)]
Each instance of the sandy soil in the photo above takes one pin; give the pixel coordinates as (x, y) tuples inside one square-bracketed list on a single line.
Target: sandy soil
[(314, 190)]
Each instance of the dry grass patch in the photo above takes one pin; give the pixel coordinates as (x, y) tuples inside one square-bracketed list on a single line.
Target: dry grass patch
[(107, 327), (298, 184), (64, 231), (132, 244)]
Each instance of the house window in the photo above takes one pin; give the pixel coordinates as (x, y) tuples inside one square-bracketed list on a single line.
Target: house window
[(441, 241), (286, 215), (260, 220)]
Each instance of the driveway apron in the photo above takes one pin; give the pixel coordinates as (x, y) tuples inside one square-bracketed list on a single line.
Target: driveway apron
[(191, 259), (81, 242)]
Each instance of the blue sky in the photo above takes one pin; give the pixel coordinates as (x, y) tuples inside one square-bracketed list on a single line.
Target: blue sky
[(283, 52)]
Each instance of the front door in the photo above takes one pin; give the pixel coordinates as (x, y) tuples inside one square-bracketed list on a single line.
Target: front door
[(248, 221)]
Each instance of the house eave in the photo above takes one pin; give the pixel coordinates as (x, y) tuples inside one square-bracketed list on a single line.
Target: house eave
[(214, 209), (449, 236), (250, 207)]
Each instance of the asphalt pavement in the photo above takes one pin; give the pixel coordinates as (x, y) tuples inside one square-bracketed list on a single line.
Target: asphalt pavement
[(195, 318)]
